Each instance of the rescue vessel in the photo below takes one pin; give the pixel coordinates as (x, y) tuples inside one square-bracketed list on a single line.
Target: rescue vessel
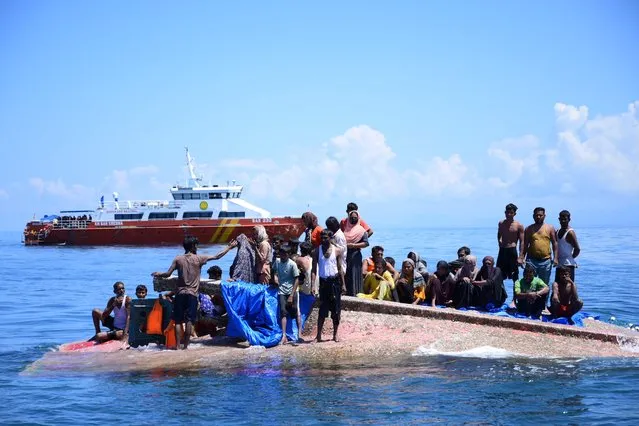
[(215, 214)]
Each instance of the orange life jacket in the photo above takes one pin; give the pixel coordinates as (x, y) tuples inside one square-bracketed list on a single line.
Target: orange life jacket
[(154, 319)]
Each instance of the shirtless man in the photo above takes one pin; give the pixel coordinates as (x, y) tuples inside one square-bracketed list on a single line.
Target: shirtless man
[(565, 300), (568, 245), (538, 240), (118, 324), (305, 263), (509, 233)]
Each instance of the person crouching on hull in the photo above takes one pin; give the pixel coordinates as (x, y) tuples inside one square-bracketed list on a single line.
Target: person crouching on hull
[(530, 293), (565, 301), (118, 324)]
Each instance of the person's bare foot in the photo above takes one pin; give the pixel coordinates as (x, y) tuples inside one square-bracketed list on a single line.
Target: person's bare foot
[(318, 339), (284, 341), (336, 338)]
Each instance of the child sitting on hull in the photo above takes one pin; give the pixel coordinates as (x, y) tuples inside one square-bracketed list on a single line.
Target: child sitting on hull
[(118, 324), (565, 301), (530, 293), (141, 291)]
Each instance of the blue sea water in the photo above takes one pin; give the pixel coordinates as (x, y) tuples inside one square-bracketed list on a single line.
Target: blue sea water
[(48, 293)]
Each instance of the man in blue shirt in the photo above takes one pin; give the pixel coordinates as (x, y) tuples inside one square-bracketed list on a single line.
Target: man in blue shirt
[(286, 278)]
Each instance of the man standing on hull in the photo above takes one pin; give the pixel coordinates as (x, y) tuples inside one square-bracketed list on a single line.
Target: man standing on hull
[(509, 233), (189, 266), (539, 238), (327, 263)]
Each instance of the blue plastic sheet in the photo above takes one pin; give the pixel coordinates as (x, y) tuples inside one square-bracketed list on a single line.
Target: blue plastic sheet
[(503, 311), (253, 313)]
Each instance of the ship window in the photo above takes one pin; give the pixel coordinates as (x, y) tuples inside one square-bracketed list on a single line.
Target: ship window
[(227, 194), (178, 196), (128, 216), (215, 195), (163, 215), (232, 214), (197, 215)]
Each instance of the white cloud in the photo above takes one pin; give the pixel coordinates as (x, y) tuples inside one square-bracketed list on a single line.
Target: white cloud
[(590, 155), (450, 177), (144, 170), (523, 156), (603, 149), (356, 164), (60, 189)]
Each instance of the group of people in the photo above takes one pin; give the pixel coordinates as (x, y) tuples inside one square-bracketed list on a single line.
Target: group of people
[(328, 263)]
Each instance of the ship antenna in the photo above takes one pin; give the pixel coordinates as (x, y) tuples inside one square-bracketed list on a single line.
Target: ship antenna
[(194, 181)]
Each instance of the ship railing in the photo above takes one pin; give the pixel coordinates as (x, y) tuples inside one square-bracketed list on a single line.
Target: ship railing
[(137, 204), (71, 223)]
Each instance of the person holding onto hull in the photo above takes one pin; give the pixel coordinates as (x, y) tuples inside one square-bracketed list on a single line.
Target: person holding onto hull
[(118, 324), (539, 238), (567, 245), (185, 303), (510, 233), (530, 293), (327, 264), (565, 301), (286, 275)]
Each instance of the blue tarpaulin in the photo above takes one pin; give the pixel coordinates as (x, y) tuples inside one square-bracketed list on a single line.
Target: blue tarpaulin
[(253, 313), (49, 218)]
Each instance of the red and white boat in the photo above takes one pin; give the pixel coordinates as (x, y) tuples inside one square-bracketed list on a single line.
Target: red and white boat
[(214, 214)]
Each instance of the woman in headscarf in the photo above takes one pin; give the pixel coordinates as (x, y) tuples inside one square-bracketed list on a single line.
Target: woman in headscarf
[(313, 230), (420, 264), (490, 285), (356, 240), (411, 287), (465, 292), (243, 267), (262, 255)]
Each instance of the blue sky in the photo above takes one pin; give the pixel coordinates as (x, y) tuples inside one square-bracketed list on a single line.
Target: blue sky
[(425, 113)]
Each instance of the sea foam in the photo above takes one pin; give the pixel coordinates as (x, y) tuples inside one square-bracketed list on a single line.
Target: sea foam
[(486, 352)]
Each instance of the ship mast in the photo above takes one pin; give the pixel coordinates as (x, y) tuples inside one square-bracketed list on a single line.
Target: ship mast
[(194, 181)]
